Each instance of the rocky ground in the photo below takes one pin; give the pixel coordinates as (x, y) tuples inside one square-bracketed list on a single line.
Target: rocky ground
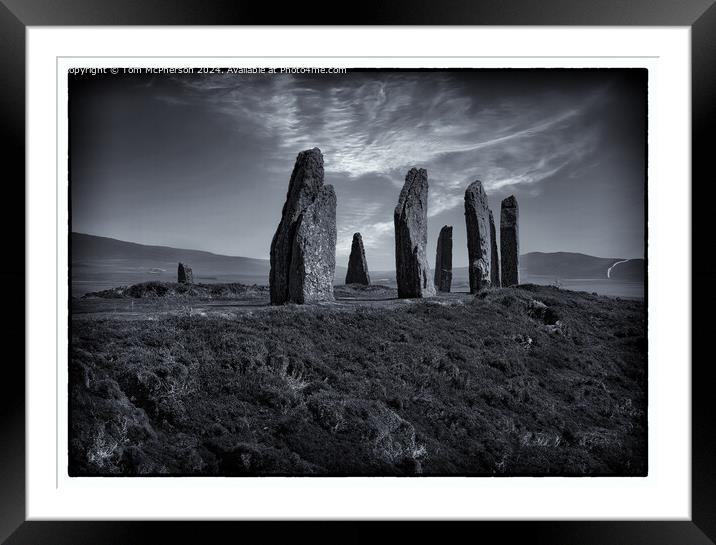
[(210, 379)]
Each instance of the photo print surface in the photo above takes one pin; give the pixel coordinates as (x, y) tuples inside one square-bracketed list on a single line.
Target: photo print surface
[(361, 272)]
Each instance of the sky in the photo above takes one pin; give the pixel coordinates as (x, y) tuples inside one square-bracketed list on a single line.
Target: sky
[(203, 161)]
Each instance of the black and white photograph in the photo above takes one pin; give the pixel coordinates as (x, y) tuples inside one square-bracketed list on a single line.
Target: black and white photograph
[(357, 272)]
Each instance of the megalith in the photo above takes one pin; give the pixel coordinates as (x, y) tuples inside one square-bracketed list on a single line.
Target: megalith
[(477, 223), (494, 255), (411, 236), (443, 260), (185, 274), (510, 242), (303, 249), (357, 265)]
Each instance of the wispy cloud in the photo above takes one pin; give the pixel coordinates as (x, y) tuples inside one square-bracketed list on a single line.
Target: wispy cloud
[(386, 123), (372, 127)]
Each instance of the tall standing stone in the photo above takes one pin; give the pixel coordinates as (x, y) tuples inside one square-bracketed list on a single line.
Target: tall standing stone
[(313, 261), (443, 260), (494, 255), (357, 265), (510, 241), (185, 274), (477, 222), (411, 237), (303, 249)]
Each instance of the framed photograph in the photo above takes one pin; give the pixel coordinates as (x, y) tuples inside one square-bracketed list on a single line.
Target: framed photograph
[(359, 273)]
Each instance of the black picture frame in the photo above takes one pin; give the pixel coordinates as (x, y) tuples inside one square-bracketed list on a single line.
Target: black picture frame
[(16, 15)]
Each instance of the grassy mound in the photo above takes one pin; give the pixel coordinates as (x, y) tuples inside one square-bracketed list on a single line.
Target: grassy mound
[(533, 380), (172, 289)]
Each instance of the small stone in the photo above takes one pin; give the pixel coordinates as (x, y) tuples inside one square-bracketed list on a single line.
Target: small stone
[(185, 274), (357, 265), (537, 310)]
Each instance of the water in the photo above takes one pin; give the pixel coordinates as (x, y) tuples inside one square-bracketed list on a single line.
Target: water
[(602, 286)]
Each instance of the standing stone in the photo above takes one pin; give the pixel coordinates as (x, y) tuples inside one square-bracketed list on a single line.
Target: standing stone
[(303, 249), (494, 256), (357, 265), (477, 222), (313, 261), (510, 241), (411, 237), (185, 274), (443, 260)]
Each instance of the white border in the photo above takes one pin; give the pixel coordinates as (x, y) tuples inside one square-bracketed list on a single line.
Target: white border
[(664, 494)]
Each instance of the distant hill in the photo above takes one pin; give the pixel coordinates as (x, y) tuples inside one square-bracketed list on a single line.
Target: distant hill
[(562, 265), (100, 263), (566, 264), (90, 249)]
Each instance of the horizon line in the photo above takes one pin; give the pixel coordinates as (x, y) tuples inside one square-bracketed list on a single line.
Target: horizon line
[(267, 258)]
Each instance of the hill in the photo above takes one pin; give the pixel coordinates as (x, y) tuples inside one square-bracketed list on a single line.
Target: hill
[(90, 250), (528, 381), (100, 263), (566, 264)]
